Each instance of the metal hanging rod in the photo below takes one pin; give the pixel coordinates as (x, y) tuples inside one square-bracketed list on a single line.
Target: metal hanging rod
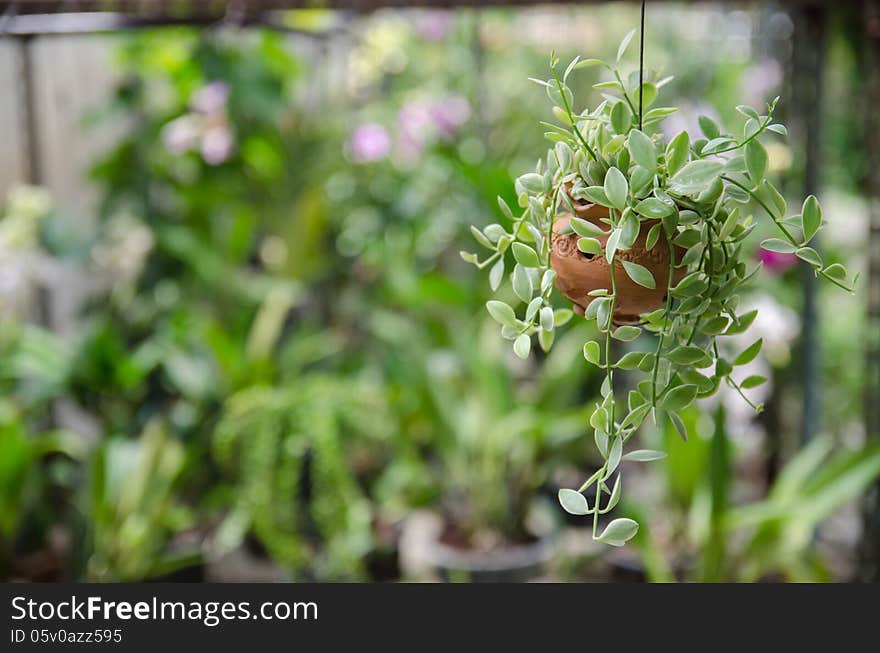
[(45, 17)]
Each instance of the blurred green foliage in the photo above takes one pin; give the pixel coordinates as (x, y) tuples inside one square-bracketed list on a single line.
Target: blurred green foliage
[(285, 355)]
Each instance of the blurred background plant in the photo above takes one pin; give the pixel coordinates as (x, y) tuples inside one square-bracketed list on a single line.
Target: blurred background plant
[(266, 360)]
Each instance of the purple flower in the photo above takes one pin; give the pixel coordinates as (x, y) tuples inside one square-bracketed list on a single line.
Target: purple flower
[(434, 25), (420, 121), (449, 114), (776, 262), (211, 98), (369, 142), (216, 145)]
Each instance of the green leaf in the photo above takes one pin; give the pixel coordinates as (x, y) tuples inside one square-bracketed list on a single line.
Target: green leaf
[(717, 144), (522, 283), (656, 115), (619, 532), (591, 352), (547, 279), (505, 209), (614, 456), (589, 246), (644, 455), (836, 271), (677, 152), (729, 224), (545, 339), (748, 111), (630, 360), (611, 244), (532, 182), (624, 44), (615, 496), (626, 333), (743, 322), (525, 255), (636, 416), (641, 275), (748, 354), (533, 307), (715, 325), (653, 208), (547, 322), (688, 355), (561, 316), (522, 346), (587, 63), (495, 232), (496, 274), (708, 127), (771, 195), (649, 94), (679, 397), (809, 255), (501, 312), (616, 188), (573, 502), (653, 236), (642, 150), (778, 245), (679, 425), (621, 117), (596, 194), (811, 217), (480, 238), (756, 161), (753, 381), (586, 229), (695, 176), (723, 367), (629, 230)]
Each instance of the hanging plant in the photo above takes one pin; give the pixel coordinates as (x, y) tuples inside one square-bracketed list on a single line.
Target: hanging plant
[(641, 234)]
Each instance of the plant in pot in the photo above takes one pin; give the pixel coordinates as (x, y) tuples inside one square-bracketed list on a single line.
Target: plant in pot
[(641, 234), (470, 427), (286, 451)]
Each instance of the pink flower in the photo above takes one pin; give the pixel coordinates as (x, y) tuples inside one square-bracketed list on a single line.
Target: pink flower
[(434, 25), (180, 135), (776, 262), (369, 142), (216, 145), (210, 98)]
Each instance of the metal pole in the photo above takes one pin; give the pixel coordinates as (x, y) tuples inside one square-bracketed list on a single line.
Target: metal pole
[(811, 23), (33, 162)]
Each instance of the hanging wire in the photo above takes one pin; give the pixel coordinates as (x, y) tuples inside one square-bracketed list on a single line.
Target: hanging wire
[(641, 60)]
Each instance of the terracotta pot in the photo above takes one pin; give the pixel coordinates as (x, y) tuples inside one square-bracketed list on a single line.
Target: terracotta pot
[(578, 274)]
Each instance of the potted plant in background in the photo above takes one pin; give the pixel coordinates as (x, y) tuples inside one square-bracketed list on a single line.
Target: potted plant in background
[(470, 428), (643, 235)]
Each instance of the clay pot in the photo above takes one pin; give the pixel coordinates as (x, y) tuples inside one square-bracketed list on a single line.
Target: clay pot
[(577, 274)]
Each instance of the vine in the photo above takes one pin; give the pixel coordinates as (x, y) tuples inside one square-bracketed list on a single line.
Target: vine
[(689, 197)]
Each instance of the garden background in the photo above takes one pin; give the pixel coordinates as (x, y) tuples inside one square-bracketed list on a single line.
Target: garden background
[(238, 341)]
